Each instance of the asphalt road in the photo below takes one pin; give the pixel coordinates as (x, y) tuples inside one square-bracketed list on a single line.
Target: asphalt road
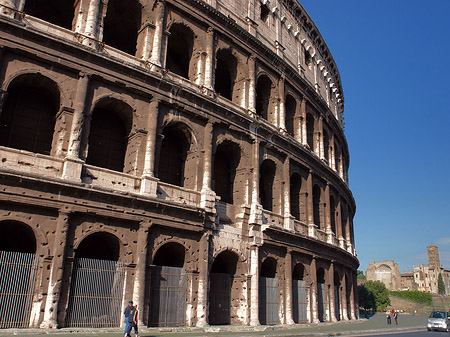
[(409, 334)]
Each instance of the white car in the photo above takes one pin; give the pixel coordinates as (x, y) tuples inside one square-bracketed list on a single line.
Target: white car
[(439, 320)]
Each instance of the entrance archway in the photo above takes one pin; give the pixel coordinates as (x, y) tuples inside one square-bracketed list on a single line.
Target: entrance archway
[(321, 294), (299, 291), (268, 292), (168, 287)]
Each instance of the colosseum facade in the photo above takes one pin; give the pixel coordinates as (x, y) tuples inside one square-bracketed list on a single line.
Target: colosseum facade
[(188, 155)]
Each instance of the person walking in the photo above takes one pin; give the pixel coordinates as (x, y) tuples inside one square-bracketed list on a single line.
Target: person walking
[(133, 320), (388, 318), (395, 318), (126, 313)]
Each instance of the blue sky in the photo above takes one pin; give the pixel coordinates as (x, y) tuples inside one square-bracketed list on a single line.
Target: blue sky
[(394, 59)]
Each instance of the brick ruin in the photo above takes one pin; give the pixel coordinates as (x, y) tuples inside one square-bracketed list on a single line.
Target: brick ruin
[(187, 141)]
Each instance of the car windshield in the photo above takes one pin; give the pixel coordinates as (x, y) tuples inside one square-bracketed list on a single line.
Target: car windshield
[(438, 314)]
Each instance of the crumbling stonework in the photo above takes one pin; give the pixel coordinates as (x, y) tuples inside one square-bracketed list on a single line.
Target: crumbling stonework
[(188, 141)]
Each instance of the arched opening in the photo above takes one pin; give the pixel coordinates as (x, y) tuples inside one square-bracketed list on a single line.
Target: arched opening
[(108, 137), (27, 120), (326, 145), (99, 246), (344, 219), (60, 13), (93, 303), (168, 290), (321, 294), (18, 268), (268, 293), (295, 187), (179, 49), (348, 289), (310, 131), (226, 160), (299, 294), (222, 275), (317, 197), (173, 153), (121, 25), (266, 179), (291, 107), (225, 75), (337, 301), (263, 96), (17, 237), (333, 215)]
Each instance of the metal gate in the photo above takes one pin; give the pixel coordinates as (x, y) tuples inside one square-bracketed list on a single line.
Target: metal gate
[(268, 301), (321, 300), (337, 303), (96, 292), (17, 279), (220, 298), (299, 301), (168, 296)]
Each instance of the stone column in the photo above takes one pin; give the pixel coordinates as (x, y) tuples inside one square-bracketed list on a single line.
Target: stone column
[(288, 218), (149, 183), (141, 267), (344, 297), (313, 288), (282, 105), (256, 208), (288, 287), (56, 273), (208, 197), (352, 295), (320, 151), (304, 130), (7, 8), (310, 206), (332, 154), (254, 285), (158, 35), (331, 293), (203, 279), (73, 164), (209, 61), (252, 84), (327, 214), (92, 22)]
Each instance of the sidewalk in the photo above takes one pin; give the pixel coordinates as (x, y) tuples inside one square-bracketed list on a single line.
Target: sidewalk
[(361, 327)]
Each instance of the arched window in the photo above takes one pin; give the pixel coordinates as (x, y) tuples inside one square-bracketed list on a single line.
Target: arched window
[(333, 215), (326, 145), (317, 206), (225, 76), (27, 120), (269, 268), (226, 160), (108, 135), (263, 92), (100, 246), (172, 156), (171, 254), (60, 13), (344, 219), (122, 23), (16, 237), (310, 131), (299, 272), (179, 49), (295, 186), (291, 107), (266, 178)]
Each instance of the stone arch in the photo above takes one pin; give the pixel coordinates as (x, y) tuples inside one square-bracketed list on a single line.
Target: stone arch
[(298, 272), (60, 13), (291, 112), (121, 25), (268, 292), (294, 191), (321, 293), (226, 160), (299, 294), (28, 124), (225, 73), (310, 131), (266, 181), (337, 294), (221, 288), (170, 254), (317, 206), (109, 131), (99, 245), (16, 236), (180, 47), (264, 96), (177, 141)]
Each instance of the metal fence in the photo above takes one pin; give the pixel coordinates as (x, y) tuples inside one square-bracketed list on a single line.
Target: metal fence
[(299, 301), (268, 301), (321, 300), (17, 279), (220, 298), (96, 293), (168, 296)]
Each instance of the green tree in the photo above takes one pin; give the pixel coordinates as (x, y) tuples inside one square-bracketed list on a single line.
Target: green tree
[(379, 292), (366, 298), (441, 286), (360, 275)]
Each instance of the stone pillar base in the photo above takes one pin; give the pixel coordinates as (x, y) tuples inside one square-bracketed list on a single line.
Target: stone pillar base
[(72, 169), (149, 185), (208, 200), (312, 230)]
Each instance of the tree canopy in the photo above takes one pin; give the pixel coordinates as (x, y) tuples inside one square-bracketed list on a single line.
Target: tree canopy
[(373, 295)]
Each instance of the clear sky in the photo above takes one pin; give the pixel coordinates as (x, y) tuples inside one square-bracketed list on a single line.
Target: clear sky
[(394, 60)]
